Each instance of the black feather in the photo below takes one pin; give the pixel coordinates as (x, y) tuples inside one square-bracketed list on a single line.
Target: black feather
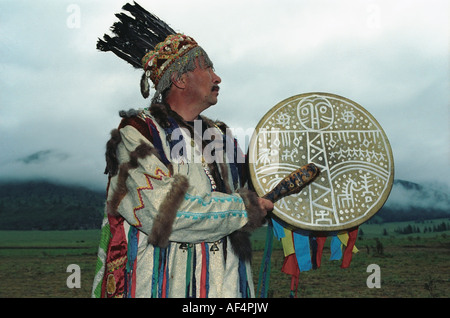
[(135, 35)]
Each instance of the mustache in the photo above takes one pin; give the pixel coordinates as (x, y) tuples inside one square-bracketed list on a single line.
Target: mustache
[(215, 88)]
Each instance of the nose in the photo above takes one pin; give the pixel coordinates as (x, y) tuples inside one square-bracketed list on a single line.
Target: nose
[(215, 78)]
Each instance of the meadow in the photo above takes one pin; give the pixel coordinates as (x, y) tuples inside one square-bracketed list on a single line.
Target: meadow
[(416, 265)]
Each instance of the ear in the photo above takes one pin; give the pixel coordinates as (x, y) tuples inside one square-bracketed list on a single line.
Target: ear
[(178, 81)]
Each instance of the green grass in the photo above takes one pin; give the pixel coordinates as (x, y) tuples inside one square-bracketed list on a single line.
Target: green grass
[(34, 263), (413, 265), (44, 243)]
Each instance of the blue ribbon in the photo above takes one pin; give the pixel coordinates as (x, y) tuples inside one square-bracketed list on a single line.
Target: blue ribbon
[(278, 230), (336, 250), (302, 251), (131, 255)]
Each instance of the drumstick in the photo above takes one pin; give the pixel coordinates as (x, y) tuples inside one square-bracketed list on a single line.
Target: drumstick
[(293, 183)]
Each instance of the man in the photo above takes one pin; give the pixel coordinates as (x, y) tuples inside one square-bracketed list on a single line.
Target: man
[(178, 215)]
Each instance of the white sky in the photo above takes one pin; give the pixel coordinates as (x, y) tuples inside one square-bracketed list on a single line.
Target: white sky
[(60, 97)]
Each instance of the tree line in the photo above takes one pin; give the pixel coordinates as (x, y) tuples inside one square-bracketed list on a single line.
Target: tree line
[(410, 229)]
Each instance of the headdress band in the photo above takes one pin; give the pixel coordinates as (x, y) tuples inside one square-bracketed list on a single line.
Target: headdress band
[(165, 53)]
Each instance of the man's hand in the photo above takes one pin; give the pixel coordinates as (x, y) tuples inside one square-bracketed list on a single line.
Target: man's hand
[(265, 205)]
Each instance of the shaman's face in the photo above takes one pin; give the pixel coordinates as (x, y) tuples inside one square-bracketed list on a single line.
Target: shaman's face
[(203, 84), (315, 114)]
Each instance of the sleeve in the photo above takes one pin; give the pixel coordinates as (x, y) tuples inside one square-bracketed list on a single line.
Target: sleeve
[(170, 207)]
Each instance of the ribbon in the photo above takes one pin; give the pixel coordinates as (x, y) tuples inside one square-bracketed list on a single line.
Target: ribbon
[(243, 283), (264, 271), (188, 271), (278, 230), (290, 267), (302, 251), (348, 252), (165, 283), (155, 277), (320, 243), (204, 274), (133, 235), (336, 249)]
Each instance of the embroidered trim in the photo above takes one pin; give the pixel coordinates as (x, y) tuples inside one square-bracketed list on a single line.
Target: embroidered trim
[(115, 264), (159, 175), (212, 215), (202, 201)]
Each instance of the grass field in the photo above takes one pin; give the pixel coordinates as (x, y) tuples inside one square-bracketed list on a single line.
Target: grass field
[(34, 264)]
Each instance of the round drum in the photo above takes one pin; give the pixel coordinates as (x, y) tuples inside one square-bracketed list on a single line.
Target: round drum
[(343, 140)]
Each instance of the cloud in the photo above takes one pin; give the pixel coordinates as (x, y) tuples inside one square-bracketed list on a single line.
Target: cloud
[(405, 195), (44, 156), (59, 94)]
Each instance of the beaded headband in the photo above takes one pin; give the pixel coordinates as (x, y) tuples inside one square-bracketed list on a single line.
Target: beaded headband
[(165, 54)]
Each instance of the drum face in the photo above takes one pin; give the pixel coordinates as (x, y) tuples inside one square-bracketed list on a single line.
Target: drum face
[(341, 138)]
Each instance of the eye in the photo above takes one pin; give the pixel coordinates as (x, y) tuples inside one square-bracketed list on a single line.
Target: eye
[(323, 109)]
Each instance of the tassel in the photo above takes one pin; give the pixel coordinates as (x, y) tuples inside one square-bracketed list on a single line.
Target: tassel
[(145, 86)]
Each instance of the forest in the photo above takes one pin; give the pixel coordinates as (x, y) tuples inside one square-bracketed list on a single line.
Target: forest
[(42, 205)]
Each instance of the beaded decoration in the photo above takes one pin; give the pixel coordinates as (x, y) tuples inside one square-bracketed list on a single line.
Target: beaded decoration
[(165, 53)]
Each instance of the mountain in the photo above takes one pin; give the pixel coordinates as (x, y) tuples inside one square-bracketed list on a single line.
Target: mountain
[(411, 201), (38, 205)]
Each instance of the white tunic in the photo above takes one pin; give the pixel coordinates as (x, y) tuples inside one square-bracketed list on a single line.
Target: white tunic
[(199, 260)]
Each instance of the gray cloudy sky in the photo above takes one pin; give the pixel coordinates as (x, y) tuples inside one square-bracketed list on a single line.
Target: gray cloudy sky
[(59, 97)]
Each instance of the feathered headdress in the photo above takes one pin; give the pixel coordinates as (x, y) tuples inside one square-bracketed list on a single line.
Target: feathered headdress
[(146, 42)]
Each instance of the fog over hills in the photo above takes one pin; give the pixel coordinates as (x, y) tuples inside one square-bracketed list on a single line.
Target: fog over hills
[(42, 205)]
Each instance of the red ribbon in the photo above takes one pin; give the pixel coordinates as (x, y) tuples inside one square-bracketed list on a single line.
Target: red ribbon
[(348, 252)]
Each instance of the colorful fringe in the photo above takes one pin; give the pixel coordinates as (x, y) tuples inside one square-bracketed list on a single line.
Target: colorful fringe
[(303, 251)]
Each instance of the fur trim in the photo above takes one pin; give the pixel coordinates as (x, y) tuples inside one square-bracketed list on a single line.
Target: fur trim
[(141, 151), (254, 212), (241, 245), (162, 226), (112, 163), (240, 240), (224, 174), (161, 113), (129, 113)]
